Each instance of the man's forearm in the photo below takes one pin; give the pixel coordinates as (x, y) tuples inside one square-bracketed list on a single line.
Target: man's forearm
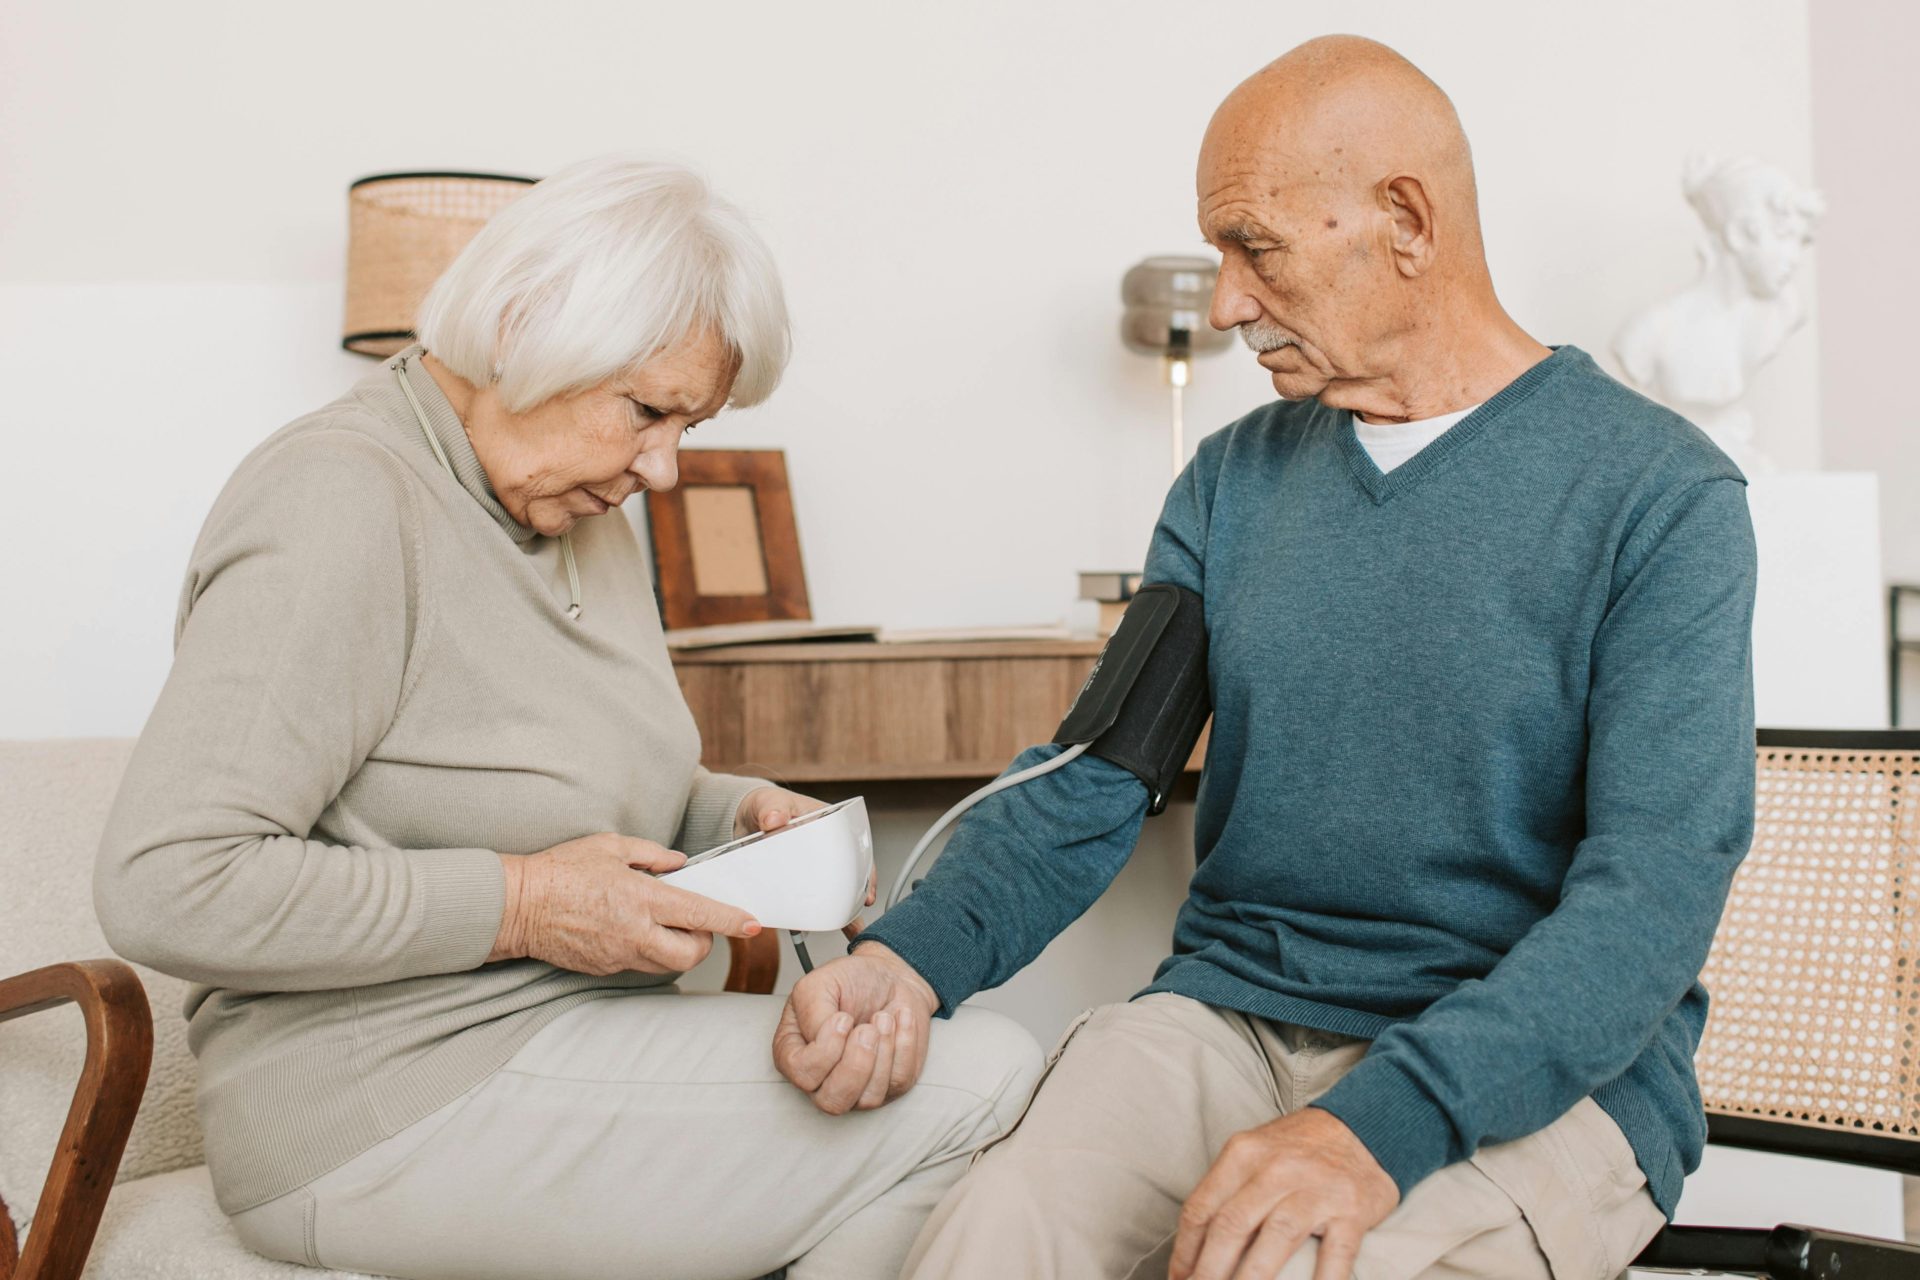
[(1020, 868), (1569, 1009)]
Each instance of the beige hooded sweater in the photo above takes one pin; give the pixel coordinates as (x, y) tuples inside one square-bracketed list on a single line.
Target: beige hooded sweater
[(375, 687)]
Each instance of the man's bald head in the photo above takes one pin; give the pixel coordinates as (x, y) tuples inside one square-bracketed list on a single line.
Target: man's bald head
[(1338, 184), (1345, 112)]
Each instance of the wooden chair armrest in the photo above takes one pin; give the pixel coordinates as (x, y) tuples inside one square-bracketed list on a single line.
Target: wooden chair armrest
[(754, 965), (119, 1051)]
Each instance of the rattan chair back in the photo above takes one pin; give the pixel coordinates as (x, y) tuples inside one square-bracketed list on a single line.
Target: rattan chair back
[(1814, 976)]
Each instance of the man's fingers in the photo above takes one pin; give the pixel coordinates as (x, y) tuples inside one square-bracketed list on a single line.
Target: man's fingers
[(814, 1001), (1339, 1249), (774, 818), (807, 1061), (878, 1084), (680, 909), (844, 1084), (1271, 1190), (789, 1046), (1226, 1177), (1234, 1230), (909, 1049), (853, 927), (1279, 1238)]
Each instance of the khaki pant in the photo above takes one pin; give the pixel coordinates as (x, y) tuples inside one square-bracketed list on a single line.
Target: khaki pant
[(1141, 1097), (649, 1135)]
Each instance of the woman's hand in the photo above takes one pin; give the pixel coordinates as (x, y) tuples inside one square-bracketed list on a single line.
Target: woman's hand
[(586, 906), (770, 808)]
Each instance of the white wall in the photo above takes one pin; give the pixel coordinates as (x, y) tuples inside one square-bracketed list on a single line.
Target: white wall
[(1819, 626), (953, 192), (1865, 98)]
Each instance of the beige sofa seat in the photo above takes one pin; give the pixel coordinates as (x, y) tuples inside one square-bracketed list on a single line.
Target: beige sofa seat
[(161, 1222)]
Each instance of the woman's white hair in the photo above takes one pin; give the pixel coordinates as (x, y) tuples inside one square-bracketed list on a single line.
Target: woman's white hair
[(596, 270)]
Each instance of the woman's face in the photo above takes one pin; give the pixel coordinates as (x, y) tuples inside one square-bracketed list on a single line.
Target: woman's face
[(582, 455)]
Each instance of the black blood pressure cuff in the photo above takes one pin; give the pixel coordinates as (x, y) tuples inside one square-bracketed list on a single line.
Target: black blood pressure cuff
[(1146, 699)]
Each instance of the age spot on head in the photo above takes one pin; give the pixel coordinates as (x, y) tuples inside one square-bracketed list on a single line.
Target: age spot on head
[(1332, 223)]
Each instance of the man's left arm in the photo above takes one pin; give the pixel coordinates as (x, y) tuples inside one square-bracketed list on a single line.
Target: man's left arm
[(1669, 783)]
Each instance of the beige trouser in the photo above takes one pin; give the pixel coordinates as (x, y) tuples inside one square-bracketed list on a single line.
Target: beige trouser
[(1139, 1100), (648, 1135)]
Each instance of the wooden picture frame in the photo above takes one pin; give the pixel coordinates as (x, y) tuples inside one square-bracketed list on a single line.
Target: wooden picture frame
[(725, 547)]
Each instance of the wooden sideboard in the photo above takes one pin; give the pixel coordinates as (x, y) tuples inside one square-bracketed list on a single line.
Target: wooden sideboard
[(827, 711)]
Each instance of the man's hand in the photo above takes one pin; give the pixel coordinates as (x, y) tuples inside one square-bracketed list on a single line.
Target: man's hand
[(1302, 1175), (854, 1033)]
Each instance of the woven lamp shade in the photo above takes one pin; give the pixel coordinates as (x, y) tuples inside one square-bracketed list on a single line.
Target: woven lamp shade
[(403, 230), (1815, 971)]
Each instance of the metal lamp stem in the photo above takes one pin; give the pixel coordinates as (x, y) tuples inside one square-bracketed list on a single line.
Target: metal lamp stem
[(1179, 373)]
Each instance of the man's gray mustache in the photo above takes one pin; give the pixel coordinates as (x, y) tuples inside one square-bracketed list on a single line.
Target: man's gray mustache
[(1266, 337)]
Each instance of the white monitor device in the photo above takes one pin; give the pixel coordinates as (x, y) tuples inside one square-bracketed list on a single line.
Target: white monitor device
[(809, 876)]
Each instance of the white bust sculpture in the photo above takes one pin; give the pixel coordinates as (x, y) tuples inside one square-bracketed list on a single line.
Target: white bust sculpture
[(1696, 351)]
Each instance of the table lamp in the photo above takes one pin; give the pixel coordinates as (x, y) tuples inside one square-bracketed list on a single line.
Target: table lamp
[(403, 230), (1166, 315)]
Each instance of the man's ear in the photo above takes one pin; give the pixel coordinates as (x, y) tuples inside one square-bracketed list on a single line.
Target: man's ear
[(1410, 215)]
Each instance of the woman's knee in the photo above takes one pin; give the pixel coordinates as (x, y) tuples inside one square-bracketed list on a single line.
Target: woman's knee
[(281, 1228), (988, 1055)]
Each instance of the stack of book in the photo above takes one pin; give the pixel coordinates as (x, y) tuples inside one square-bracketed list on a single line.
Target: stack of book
[(1110, 590)]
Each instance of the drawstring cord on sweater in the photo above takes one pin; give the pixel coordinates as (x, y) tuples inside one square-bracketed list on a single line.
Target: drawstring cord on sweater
[(433, 442)]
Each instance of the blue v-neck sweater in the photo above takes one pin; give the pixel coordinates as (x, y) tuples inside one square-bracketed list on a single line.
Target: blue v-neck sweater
[(1481, 767)]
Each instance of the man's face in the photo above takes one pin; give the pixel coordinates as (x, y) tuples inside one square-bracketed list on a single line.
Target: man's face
[(1299, 274)]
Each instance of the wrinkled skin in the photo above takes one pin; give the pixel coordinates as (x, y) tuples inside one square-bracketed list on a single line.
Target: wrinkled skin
[(580, 455)]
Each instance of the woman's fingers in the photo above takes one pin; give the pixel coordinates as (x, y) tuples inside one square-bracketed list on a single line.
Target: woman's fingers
[(679, 909), (678, 950), (853, 927), (645, 855), (769, 808)]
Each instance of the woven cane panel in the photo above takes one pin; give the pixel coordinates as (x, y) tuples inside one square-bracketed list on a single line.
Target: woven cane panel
[(1815, 1014), (402, 233)]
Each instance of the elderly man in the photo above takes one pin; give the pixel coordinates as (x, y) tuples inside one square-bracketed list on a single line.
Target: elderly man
[(1480, 774)]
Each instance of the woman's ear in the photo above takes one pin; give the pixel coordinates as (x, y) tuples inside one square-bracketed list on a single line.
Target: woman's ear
[(1410, 216)]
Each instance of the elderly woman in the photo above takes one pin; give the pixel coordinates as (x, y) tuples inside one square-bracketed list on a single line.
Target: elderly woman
[(421, 741)]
